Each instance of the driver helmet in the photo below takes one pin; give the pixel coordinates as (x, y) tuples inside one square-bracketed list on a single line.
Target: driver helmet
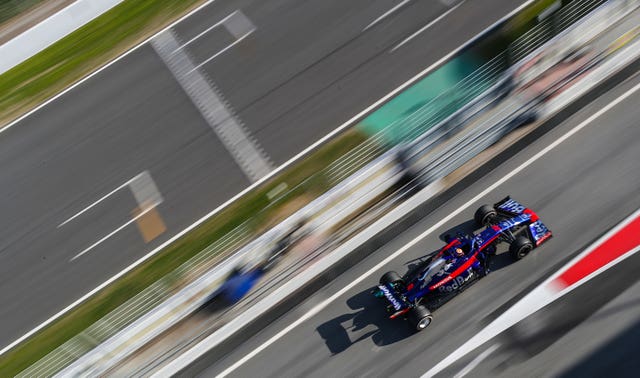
[(458, 252)]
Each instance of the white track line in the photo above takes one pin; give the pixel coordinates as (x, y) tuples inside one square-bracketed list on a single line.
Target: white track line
[(427, 26), (206, 31), (223, 50), (92, 246), (94, 73), (476, 361), (386, 14), (538, 298), (289, 162), (430, 230), (100, 200)]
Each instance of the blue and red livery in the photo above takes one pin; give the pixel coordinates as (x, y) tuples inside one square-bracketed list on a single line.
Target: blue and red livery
[(462, 261)]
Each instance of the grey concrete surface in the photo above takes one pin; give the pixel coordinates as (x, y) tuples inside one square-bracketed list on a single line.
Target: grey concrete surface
[(300, 91), (580, 189), (306, 66), (590, 332)]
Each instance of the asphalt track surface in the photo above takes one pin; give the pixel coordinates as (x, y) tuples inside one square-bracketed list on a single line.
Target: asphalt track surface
[(307, 68), (580, 189)]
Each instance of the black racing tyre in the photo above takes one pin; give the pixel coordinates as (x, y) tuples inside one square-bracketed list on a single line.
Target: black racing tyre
[(520, 247), (391, 278), (420, 317), (484, 215)]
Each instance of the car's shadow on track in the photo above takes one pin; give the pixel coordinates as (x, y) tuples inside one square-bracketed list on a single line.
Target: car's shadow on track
[(501, 260), (368, 320)]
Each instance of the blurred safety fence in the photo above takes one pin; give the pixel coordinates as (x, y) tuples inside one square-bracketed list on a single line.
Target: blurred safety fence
[(488, 103), (591, 55), (550, 25), (518, 97), (321, 215)]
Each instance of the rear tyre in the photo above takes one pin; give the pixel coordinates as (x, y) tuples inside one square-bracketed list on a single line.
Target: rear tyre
[(485, 215), (520, 247), (391, 278), (420, 317)]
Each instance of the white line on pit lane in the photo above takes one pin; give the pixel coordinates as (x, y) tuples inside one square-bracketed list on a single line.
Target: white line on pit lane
[(279, 169), (476, 361), (538, 298), (430, 230)]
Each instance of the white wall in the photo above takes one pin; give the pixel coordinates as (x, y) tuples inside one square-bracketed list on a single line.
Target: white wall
[(51, 30)]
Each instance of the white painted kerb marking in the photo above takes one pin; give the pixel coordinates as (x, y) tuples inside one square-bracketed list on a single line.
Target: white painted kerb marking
[(279, 169), (430, 230), (427, 26)]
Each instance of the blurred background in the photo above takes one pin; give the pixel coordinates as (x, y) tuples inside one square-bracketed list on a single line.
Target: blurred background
[(170, 168)]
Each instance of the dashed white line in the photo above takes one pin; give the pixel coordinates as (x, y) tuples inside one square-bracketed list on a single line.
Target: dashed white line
[(427, 26)]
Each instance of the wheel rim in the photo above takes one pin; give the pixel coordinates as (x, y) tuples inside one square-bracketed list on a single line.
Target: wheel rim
[(424, 322), (524, 251)]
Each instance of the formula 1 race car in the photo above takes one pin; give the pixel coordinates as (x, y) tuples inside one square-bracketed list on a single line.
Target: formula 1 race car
[(461, 262), (250, 270)]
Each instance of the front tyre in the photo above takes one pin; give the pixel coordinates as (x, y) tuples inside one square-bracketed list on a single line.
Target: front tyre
[(420, 317), (392, 278), (520, 247), (485, 215)]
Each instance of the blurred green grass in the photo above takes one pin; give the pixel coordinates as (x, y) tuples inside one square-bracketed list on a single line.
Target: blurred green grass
[(254, 206), (81, 52), (67, 61)]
